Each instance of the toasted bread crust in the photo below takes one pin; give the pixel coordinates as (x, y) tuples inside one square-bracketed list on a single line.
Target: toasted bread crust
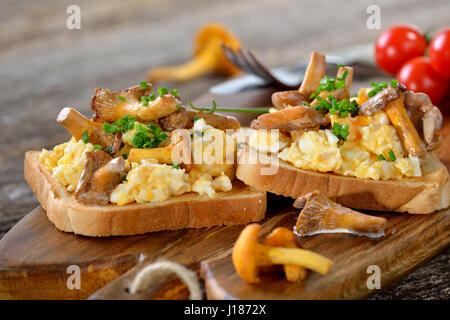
[(241, 205), (420, 195)]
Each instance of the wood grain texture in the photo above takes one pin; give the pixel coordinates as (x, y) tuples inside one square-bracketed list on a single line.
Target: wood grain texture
[(410, 240), (44, 66)]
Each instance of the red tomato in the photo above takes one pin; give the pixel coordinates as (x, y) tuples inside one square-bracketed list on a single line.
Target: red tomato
[(397, 45), (439, 52), (419, 76)]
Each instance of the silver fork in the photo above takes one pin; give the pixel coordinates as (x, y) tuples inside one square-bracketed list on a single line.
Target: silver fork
[(246, 61)]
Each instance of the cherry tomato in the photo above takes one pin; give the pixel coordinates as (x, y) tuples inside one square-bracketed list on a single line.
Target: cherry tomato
[(439, 53), (419, 76), (397, 45)]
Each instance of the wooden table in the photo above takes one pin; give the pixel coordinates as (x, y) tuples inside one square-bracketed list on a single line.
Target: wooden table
[(45, 67)]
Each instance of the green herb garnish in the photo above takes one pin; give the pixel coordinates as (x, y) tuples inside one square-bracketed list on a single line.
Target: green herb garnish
[(144, 85), (125, 156), (176, 165), (108, 150), (122, 125), (148, 136), (391, 155), (179, 107), (394, 83), (330, 84), (162, 91), (381, 157), (97, 147), (340, 131), (239, 110), (174, 92), (85, 136), (195, 118), (122, 98), (124, 177), (378, 86), (199, 133), (343, 107)]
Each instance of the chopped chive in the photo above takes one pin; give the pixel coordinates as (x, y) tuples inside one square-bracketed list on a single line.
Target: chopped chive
[(144, 85), (391, 155), (85, 136), (179, 107), (340, 65), (381, 157), (195, 118), (394, 83), (125, 156), (162, 91), (124, 177), (108, 150), (122, 98), (176, 165), (152, 96), (199, 133), (174, 92), (97, 147)]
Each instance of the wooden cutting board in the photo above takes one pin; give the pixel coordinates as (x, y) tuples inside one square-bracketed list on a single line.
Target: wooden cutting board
[(35, 256)]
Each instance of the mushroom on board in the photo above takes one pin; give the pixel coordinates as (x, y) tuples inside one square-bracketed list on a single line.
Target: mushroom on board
[(283, 237), (249, 256), (208, 57)]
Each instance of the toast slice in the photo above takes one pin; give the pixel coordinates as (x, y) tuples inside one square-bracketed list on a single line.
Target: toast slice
[(241, 205), (419, 195)]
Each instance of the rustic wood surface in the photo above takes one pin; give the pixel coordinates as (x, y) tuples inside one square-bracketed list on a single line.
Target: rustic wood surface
[(44, 67)]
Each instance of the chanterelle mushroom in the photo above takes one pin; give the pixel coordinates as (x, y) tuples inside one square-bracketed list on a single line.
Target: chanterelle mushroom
[(283, 99), (425, 116), (208, 57), (101, 174), (321, 215), (76, 124), (110, 105), (294, 118), (283, 237), (249, 255), (380, 100)]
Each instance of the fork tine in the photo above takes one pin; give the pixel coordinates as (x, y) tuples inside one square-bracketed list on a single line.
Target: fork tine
[(268, 73), (232, 56), (262, 73), (238, 59)]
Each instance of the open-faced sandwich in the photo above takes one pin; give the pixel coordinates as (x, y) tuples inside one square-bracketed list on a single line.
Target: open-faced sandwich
[(142, 163), (372, 151)]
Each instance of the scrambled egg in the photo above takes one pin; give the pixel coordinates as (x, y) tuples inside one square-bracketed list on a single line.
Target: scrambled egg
[(148, 181), (368, 138), (268, 141), (66, 162)]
